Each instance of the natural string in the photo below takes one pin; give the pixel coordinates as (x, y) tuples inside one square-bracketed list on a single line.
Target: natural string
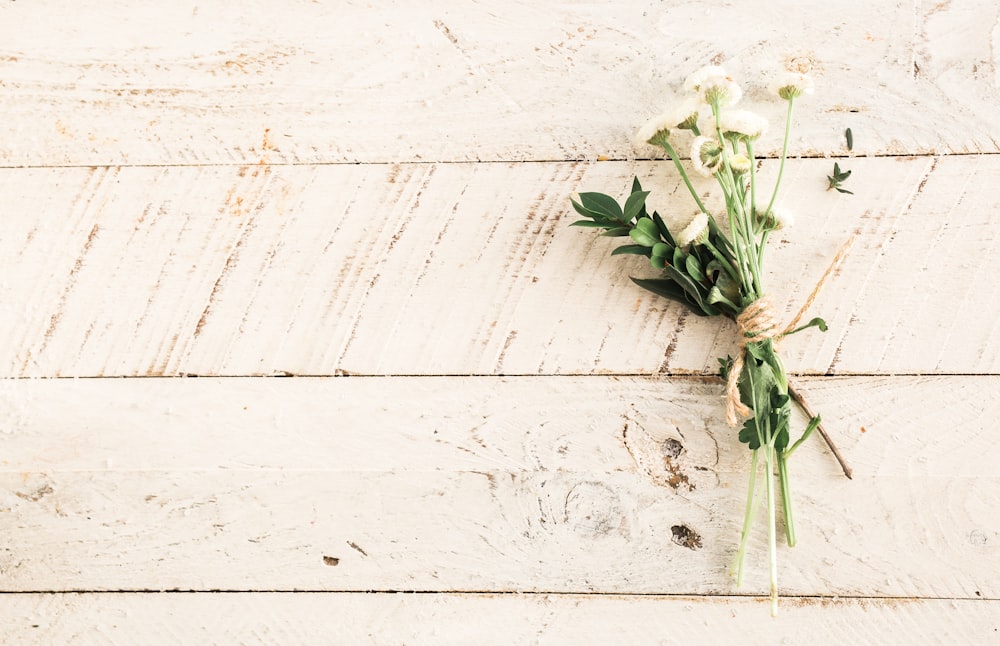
[(757, 323)]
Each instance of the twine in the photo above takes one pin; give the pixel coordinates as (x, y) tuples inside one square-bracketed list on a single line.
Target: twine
[(757, 323)]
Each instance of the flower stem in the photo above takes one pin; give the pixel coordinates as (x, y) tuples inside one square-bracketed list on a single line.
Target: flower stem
[(784, 154), (772, 542), (684, 176), (747, 519), (728, 266), (786, 499)]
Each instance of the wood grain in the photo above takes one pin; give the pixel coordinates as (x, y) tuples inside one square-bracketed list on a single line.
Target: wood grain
[(268, 618), (469, 269), (591, 484), (106, 82)]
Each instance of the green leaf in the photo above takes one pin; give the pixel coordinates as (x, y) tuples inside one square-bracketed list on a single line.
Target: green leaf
[(666, 288), (662, 250), (850, 139), (748, 434), (582, 211), (602, 204), (636, 249), (816, 322), (658, 262), (695, 293), (693, 266), (844, 190), (636, 186), (591, 224), (757, 350), (664, 231), (634, 204), (680, 258), (648, 227), (669, 289), (641, 238), (616, 232)]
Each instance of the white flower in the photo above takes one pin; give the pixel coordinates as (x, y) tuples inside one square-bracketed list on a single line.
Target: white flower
[(696, 231), (685, 114), (783, 218), (695, 80), (706, 155), (792, 85), (740, 163), (658, 126), (713, 85), (777, 218), (742, 124)]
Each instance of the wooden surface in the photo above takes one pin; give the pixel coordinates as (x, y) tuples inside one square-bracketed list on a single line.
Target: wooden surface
[(298, 346)]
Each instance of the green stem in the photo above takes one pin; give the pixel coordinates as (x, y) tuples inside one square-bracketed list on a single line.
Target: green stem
[(786, 499), (728, 266), (753, 179), (665, 144), (813, 424), (772, 542), (784, 154), (747, 519)]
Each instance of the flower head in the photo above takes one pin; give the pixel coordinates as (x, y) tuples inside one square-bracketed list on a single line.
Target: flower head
[(742, 124), (695, 232), (656, 129), (696, 79), (683, 116), (776, 218), (714, 86), (740, 163), (706, 155), (792, 85)]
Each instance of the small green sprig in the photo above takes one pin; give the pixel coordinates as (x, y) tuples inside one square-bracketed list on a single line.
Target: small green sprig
[(838, 178)]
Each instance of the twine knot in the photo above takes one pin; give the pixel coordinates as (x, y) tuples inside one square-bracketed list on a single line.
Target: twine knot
[(755, 323)]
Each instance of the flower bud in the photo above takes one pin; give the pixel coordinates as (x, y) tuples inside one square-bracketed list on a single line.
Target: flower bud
[(792, 85), (696, 232), (739, 163), (706, 155)]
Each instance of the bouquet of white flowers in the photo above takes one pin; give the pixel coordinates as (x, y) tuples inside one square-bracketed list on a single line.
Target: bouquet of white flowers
[(716, 271)]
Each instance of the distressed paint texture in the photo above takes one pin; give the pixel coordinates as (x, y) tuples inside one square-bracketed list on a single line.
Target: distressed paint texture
[(372, 191), (589, 484), (469, 269), (107, 82)]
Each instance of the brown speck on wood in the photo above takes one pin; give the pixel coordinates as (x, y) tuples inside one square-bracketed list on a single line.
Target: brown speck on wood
[(686, 537), (36, 495), (675, 477), (331, 560), (354, 546)]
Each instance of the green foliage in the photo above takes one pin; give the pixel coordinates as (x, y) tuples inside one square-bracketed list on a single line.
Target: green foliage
[(838, 178)]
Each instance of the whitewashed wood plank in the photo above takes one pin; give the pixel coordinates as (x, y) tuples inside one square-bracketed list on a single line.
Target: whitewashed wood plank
[(888, 426), (269, 618), (107, 82), (468, 268), (425, 484)]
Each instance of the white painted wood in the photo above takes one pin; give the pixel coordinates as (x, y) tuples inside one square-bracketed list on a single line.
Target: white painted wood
[(518, 484), (484, 619), (109, 82), (466, 268)]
